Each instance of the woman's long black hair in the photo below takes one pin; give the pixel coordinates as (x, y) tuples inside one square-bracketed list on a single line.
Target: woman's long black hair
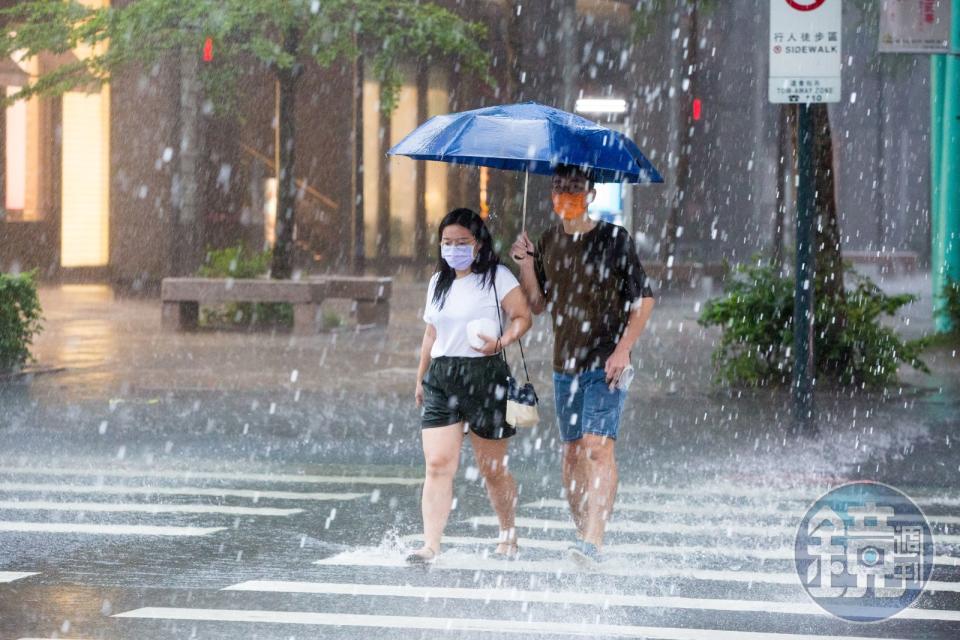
[(486, 263)]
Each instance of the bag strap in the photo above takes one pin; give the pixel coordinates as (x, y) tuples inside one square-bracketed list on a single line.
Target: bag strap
[(523, 358)]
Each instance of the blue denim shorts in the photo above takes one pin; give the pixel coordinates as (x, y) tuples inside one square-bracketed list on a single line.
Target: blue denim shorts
[(585, 404)]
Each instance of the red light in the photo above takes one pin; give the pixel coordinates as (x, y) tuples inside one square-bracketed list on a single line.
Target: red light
[(697, 108), (208, 50)]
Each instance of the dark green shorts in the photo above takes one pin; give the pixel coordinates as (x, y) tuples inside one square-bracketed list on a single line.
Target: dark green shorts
[(471, 390)]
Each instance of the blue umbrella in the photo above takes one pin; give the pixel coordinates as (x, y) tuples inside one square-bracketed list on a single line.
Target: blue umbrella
[(528, 137)]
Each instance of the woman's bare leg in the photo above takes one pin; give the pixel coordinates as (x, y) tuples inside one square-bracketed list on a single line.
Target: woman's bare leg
[(441, 451), (491, 456)]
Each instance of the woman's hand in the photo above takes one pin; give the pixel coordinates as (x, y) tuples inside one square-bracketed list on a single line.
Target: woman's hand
[(418, 394), (490, 345)]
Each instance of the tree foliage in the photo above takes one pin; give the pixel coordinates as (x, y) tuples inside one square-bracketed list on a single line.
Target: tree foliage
[(388, 31)]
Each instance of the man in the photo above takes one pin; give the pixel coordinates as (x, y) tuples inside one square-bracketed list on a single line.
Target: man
[(588, 276)]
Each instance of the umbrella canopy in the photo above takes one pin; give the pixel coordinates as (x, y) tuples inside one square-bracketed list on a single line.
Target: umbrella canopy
[(528, 137)]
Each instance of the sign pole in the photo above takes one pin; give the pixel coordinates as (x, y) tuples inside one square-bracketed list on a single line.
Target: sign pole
[(803, 325), (805, 69)]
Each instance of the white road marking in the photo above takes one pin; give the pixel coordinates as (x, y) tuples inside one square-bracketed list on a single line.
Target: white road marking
[(253, 494), (714, 509), (458, 561), (213, 475), (773, 494), (105, 529), (782, 553), (590, 598), (138, 507), (628, 526), (10, 576), (464, 624)]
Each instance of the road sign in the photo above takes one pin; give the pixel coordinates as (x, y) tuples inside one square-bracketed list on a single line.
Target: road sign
[(915, 26), (805, 51)]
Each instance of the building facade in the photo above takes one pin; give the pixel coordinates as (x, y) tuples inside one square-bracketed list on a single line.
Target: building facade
[(131, 182)]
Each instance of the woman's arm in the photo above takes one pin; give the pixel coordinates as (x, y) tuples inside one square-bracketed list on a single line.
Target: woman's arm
[(518, 310), (429, 337)]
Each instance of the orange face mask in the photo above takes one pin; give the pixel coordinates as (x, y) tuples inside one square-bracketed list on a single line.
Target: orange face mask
[(570, 205)]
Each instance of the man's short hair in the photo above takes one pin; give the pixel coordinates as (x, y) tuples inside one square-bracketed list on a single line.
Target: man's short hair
[(573, 171)]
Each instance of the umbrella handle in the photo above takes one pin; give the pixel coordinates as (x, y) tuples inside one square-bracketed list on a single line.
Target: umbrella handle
[(526, 179)]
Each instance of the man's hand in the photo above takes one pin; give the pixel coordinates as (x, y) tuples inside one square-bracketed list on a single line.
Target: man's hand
[(418, 394), (616, 363), (522, 249), (491, 346)]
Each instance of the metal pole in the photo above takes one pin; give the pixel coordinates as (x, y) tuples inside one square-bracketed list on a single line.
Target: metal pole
[(937, 68), (945, 258), (803, 369), (526, 180)]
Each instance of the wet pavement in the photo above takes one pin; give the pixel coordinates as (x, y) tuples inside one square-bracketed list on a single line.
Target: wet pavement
[(260, 485)]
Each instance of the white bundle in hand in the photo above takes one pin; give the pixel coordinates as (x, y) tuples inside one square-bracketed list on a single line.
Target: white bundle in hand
[(484, 326)]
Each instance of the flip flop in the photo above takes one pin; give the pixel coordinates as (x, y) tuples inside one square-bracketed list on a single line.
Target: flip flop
[(418, 559)]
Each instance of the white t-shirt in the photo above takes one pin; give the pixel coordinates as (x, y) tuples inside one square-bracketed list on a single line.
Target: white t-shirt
[(465, 301)]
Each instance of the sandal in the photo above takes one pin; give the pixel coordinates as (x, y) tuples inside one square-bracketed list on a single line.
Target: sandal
[(513, 550), (421, 557)]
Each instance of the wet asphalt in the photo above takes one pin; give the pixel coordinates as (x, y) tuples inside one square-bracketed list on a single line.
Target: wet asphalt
[(256, 485)]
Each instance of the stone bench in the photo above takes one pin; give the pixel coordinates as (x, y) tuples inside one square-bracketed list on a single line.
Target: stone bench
[(371, 294), (890, 261), (687, 274), (181, 298)]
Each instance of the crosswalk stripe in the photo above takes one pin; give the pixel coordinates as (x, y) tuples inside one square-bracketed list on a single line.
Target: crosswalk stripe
[(213, 475), (589, 598), (253, 494), (629, 526), (455, 561), (715, 510), (464, 624), (782, 553), (137, 507), (808, 495), (10, 576), (105, 529)]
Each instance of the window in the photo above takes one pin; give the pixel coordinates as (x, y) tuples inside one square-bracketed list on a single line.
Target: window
[(15, 162)]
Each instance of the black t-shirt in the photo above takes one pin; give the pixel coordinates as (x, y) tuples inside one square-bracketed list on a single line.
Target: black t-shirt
[(589, 281)]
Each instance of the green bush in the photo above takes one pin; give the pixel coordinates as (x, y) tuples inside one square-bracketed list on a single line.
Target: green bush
[(238, 262), (20, 318), (852, 346), (332, 320), (951, 303)]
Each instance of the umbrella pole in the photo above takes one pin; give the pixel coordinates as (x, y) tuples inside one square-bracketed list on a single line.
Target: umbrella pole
[(526, 179)]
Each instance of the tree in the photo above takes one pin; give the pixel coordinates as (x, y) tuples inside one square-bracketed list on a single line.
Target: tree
[(282, 35), (684, 61)]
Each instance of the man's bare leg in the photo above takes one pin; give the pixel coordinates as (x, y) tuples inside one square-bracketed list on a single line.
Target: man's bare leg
[(575, 481), (601, 490)]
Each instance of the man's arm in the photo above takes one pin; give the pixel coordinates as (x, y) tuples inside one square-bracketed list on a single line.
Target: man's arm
[(620, 358), (522, 252)]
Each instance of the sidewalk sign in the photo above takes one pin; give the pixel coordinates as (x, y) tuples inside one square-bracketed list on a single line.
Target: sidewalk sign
[(805, 39)]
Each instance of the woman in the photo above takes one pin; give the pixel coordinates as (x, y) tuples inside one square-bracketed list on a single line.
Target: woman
[(463, 388)]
